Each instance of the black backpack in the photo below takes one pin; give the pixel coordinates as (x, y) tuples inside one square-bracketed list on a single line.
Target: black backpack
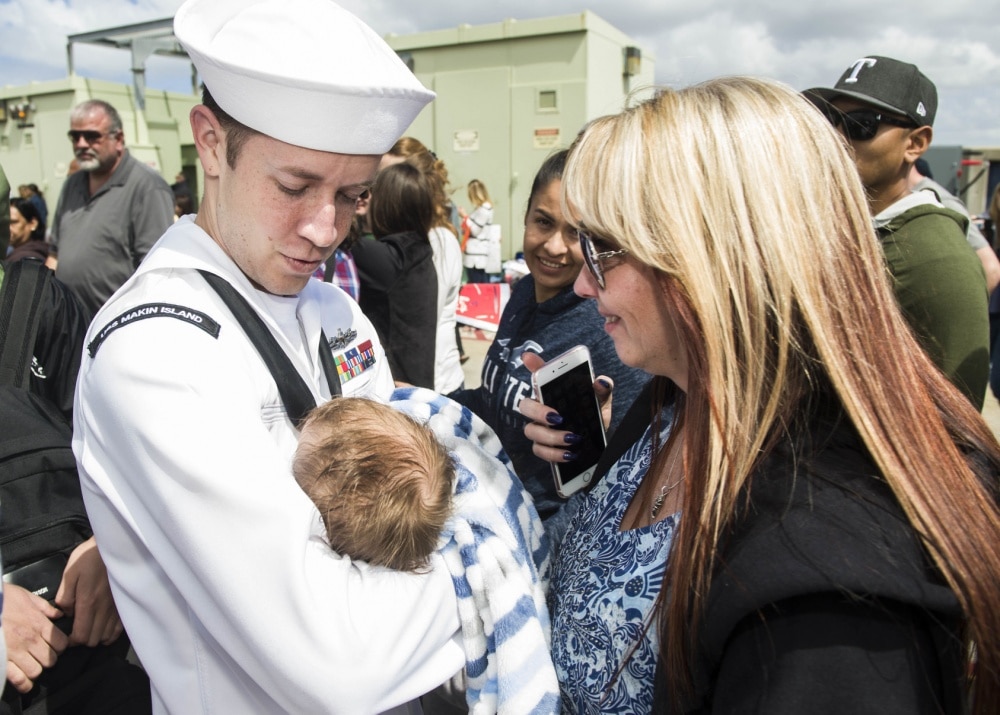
[(42, 516)]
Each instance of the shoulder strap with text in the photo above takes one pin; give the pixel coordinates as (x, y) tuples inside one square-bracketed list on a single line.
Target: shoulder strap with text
[(295, 394)]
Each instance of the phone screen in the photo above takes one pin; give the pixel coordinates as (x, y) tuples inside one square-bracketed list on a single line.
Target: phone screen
[(572, 396)]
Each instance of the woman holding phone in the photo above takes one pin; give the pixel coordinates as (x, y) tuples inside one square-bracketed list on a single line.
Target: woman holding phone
[(544, 317), (830, 497)]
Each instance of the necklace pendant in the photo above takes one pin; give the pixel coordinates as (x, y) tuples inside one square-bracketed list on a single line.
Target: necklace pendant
[(658, 502)]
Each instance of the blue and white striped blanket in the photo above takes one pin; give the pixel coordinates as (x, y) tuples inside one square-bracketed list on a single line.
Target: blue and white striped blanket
[(498, 557)]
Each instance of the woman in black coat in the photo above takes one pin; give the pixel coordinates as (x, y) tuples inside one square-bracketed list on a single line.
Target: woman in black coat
[(398, 280)]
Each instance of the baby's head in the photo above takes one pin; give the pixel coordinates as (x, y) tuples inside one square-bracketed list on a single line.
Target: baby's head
[(380, 479)]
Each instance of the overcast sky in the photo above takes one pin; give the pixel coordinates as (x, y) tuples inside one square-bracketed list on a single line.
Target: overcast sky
[(954, 42)]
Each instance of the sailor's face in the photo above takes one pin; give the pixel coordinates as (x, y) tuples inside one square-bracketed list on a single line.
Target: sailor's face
[(283, 209)]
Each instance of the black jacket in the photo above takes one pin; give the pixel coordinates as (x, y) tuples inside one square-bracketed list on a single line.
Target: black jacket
[(29, 249), (399, 295), (824, 601)]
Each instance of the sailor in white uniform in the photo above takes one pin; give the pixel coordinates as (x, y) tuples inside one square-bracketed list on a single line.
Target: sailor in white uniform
[(217, 559)]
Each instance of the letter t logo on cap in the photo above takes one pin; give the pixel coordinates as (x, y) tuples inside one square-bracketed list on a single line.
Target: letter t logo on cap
[(857, 67)]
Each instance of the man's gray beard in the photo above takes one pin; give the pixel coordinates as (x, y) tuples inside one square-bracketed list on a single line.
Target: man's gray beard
[(89, 164)]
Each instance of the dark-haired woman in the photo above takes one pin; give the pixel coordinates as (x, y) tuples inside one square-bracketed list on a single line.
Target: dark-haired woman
[(545, 317), (27, 232), (398, 282)]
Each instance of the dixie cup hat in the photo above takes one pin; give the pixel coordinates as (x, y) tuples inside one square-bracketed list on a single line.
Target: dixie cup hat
[(305, 72), (887, 84)]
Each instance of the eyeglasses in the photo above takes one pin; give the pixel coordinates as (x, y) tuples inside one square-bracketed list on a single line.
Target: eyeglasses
[(595, 259), (862, 124), (88, 135)]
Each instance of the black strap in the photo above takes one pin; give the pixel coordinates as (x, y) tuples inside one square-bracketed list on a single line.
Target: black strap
[(329, 367), (295, 394), (632, 426), (20, 300)]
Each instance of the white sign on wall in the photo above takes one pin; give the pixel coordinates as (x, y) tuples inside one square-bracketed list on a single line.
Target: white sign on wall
[(546, 138), (466, 140)]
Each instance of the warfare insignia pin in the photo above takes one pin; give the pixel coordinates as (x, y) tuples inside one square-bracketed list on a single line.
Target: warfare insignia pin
[(342, 339)]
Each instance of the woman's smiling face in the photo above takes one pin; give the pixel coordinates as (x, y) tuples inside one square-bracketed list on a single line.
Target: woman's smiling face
[(551, 248)]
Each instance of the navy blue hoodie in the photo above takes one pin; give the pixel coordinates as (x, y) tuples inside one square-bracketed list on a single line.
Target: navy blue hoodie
[(548, 329)]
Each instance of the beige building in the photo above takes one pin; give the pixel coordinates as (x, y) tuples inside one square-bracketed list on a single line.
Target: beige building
[(508, 94)]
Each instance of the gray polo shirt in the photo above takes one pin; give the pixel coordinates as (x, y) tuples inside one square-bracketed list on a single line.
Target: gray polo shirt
[(101, 239)]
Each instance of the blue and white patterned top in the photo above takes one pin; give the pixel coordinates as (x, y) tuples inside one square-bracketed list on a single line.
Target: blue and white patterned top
[(604, 587)]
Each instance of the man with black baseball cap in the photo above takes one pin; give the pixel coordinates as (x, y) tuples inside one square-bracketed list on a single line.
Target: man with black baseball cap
[(885, 108)]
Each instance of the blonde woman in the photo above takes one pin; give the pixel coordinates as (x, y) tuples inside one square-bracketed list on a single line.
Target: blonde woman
[(482, 248), (827, 498)]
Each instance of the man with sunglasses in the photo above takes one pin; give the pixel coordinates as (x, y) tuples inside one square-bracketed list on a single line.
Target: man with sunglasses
[(885, 109), (110, 213)]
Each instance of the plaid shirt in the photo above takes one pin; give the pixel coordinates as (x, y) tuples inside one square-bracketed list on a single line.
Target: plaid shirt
[(345, 273)]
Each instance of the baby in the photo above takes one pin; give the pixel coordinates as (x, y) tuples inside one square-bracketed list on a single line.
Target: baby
[(393, 490), (381, 481)]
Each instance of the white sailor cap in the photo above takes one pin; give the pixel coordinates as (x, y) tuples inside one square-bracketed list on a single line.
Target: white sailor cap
[(306, 72)]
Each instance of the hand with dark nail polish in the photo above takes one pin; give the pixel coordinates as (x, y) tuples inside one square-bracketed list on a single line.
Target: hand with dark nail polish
[(570, 456), (573, 438), (553, 418)]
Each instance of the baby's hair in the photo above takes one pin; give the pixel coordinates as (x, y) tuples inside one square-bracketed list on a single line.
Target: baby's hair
[(381, 481)]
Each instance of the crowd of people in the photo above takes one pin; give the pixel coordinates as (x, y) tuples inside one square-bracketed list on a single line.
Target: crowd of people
[(298, 506)]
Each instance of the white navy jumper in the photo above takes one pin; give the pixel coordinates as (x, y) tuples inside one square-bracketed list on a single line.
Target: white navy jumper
[(217, 559)]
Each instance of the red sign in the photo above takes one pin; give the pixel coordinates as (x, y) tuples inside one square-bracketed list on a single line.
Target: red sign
[(481, 304)]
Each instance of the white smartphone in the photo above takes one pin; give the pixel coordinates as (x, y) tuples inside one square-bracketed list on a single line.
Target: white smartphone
[(566, 384)]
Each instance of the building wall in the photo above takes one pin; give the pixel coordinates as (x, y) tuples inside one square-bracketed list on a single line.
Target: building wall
[(512, 93)]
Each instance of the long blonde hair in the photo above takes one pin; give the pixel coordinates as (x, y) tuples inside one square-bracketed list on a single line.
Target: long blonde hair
[(746, 202)]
